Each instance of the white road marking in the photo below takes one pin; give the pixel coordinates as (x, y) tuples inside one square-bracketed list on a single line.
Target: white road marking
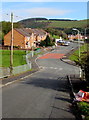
[(55, 68)]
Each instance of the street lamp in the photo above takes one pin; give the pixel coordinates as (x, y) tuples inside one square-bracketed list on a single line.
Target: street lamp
[(80, 72)]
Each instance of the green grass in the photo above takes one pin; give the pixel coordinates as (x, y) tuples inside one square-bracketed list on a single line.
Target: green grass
[(18, 58), (55, 36), (75, 55), (67, 24), (84, 107)]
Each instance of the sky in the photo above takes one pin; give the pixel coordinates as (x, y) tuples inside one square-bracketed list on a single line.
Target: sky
[(59, 10)]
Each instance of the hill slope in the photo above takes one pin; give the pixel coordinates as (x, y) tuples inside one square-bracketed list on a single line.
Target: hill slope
[(53, 23)]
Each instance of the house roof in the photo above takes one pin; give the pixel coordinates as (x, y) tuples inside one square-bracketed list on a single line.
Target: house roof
[(24, 31), (39, 32), (29, 31)]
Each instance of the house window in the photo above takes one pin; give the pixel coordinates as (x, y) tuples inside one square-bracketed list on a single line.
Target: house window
[(28, 38), (27, 43)]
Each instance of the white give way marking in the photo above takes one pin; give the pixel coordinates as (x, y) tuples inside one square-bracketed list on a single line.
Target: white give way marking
[(55, 68)]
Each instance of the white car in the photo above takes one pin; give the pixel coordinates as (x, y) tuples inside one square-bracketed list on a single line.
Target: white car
[(66, 44)]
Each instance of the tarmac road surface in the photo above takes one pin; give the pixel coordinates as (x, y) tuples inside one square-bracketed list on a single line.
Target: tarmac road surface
[(45, 93)]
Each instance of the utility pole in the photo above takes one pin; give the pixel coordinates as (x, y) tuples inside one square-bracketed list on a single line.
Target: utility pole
[(11, 45)]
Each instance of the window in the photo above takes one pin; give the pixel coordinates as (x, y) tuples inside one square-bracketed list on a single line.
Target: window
[(28, 38)]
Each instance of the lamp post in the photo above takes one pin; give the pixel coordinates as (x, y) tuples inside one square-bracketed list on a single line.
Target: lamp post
[(80, 71)]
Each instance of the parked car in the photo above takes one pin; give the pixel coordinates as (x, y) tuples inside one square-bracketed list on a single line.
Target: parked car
[(71, 40), (66, 44), (60, 42)]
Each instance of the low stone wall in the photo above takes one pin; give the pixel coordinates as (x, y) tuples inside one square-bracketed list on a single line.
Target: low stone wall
[(21, 69), (16, 70)]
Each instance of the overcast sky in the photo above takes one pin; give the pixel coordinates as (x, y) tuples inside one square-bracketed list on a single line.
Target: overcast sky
[(65, 10)]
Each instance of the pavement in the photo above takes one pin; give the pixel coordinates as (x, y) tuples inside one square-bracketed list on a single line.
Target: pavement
[(66, 56), (68, 61)]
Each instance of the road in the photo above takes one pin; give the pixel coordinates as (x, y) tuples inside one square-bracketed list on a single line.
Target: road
[(45, 93)]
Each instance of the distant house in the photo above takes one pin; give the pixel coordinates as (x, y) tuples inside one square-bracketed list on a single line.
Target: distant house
[(25, 38), (72, 37)]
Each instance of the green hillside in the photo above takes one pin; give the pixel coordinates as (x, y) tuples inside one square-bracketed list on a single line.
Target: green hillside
[(45, 23), (68, 24)]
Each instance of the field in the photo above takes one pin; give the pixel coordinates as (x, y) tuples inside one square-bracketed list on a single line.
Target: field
[(18, 58), (54, 23), (66, 24)]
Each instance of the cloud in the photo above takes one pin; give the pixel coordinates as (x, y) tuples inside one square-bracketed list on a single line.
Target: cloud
[(41, 12), (47, 12), (37, 12)]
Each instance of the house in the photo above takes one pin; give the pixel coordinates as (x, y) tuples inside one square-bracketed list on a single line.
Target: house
[(72, 37), (39, 35), (25, 38)]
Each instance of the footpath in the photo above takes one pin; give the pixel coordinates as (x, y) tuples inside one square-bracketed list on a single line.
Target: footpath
[(66, 58)]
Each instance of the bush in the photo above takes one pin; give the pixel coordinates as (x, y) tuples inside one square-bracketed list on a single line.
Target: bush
[(84, 108), (87, 118), (43, 43), (47, 42)]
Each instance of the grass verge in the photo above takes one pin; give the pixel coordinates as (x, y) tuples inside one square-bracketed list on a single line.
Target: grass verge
[(75, 55), (18, 58), (84, 109)]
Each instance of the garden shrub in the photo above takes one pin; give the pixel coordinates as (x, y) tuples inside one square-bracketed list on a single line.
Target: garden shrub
[(84, 108)]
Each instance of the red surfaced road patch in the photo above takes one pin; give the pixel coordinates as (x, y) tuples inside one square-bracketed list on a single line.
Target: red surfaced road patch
[(52, 56)]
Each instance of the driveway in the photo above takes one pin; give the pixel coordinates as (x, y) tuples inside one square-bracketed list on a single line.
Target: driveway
[(44, 94)]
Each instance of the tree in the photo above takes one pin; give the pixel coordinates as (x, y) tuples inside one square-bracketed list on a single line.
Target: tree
[(1, 37), (85, 66), (56, 32), (6, 26), (47, 42), (43, 43)]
